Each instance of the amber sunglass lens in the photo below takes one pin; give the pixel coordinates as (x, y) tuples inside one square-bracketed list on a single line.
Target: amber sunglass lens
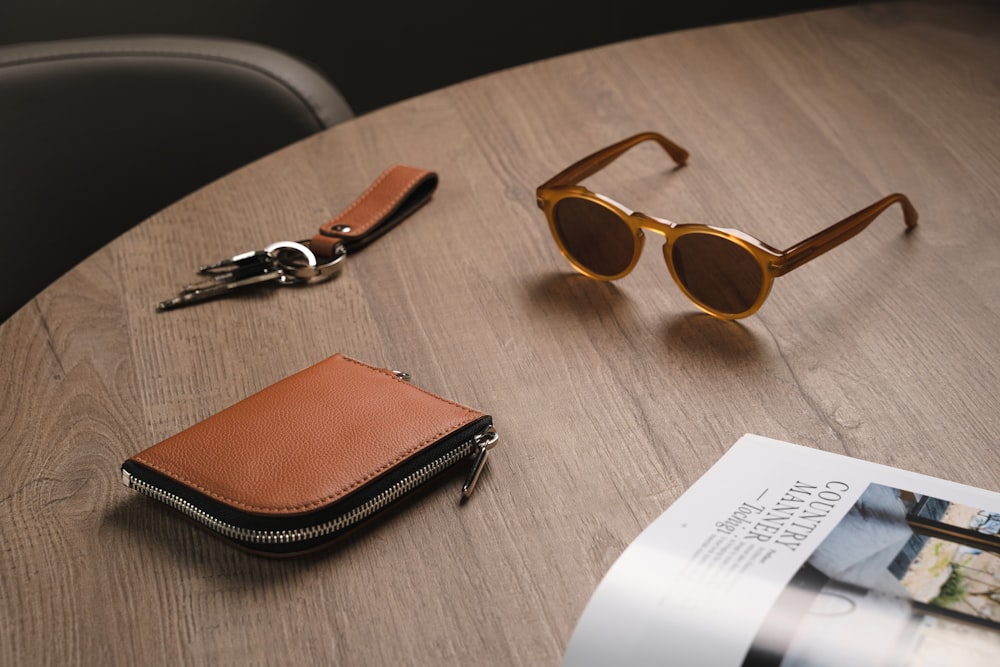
[(595, 237), (719, 273)]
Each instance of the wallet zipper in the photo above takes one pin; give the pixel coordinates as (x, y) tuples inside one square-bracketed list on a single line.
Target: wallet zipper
[(478, 446)]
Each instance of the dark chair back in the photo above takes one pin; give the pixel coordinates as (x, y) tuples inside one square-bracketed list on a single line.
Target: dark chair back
[(98, 134)]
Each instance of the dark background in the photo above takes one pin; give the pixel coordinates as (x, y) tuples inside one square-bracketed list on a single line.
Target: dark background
[(377, 52)]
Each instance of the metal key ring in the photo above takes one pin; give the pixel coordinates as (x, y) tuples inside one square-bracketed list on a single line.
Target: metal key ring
[(293, 271)]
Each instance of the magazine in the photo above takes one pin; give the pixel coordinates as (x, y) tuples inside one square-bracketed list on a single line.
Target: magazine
[(787, 555)]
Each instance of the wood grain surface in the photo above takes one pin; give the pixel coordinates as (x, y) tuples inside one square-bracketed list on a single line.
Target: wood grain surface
[(611, 399)]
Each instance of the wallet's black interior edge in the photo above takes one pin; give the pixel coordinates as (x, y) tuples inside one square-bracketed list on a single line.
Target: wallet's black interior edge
[(243, 520)]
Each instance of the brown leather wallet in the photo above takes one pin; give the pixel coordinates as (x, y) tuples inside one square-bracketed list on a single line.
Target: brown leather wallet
[(300, 463)]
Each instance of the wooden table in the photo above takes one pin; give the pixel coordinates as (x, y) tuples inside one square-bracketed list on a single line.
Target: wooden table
[(611, 399)]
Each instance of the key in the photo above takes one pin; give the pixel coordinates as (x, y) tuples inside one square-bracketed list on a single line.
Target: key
[(285, 262), (243, 259), (242, 270)]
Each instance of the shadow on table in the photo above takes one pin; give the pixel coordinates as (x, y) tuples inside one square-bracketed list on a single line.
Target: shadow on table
[(577, 295), (168, 541), (698, 333), (691, 333), (168, 538)]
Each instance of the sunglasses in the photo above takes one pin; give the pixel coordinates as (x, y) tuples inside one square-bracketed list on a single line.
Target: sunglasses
[(725, 272)]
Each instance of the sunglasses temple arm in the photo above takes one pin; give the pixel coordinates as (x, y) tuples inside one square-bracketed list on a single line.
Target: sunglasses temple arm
[(596, 161), (831, 237)]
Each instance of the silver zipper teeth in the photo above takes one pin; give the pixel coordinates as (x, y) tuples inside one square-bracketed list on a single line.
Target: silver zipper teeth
[(383, 499)]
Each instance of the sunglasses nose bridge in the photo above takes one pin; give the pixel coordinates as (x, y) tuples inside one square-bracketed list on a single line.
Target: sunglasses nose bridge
[(661, 227)]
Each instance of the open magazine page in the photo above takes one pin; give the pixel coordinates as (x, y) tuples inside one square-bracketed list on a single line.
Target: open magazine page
[(786, 555)]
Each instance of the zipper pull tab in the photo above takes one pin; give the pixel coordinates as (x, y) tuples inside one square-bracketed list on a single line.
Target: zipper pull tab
[(484, 442)]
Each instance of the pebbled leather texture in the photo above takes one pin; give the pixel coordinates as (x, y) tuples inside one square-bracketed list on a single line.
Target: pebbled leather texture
[(307, 440)]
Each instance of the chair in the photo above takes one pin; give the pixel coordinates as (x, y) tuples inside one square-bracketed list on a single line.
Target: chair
[(98, 134)]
